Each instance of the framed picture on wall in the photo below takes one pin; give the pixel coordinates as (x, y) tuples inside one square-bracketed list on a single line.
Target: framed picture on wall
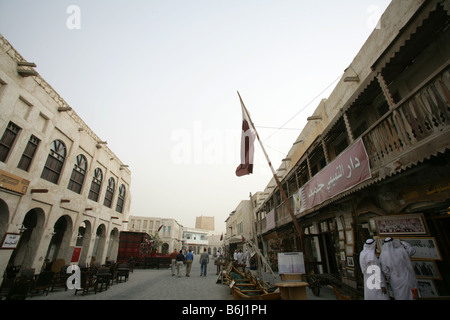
[(426, 288), (426, 269), (10, 240), (426, 247), (401, 224), (350, 262)]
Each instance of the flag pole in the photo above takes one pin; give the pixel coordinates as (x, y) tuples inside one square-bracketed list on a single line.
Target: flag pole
[(283, 194)]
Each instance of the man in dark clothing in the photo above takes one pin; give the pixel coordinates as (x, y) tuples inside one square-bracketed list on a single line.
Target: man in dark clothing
[(204, 260), (180, 262)]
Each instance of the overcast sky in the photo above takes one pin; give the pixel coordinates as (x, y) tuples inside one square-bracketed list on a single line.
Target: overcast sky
[(157, 79)]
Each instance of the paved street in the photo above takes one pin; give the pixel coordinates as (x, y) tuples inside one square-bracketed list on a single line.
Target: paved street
[(154, 284)]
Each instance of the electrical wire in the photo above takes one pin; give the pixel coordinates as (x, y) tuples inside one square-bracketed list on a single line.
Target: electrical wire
[(307, 105)]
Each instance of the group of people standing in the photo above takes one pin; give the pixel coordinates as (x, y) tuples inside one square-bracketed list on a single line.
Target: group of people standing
[(394, 265), (242, 259), (179, 259)]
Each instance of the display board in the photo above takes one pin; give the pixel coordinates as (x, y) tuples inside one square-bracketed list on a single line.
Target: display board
[(291, 262)]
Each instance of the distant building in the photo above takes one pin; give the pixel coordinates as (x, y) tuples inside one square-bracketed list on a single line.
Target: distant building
[(195, 239), (239, 224), (170, 231), (206, 223)]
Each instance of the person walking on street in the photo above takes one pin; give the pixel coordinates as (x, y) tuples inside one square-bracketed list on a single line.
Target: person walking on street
[(180, 262), (204, 260), (189, 259), (173, 261), (397, 268), (217, 262), (374, 282)]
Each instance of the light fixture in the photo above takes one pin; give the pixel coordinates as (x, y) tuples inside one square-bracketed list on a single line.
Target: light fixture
[(314, 118), (39, 190), (351, 79), (64, 109), (99, 144), (27, 71)]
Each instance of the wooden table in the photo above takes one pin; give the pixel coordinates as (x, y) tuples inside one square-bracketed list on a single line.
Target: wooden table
[(291, 276), (292, 290)]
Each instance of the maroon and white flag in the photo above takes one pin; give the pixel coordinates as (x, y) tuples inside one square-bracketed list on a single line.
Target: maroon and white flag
[(247, 146)]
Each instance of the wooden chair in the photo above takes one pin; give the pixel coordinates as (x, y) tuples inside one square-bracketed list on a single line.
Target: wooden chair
[(19, 290), (6, 286), (88, 281), (104, 278), (60, 279), (114, 272), (123, 272), (43, 282), (28, 274)]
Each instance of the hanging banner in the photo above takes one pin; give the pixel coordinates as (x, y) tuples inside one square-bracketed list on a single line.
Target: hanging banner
[(346, 171), (76, 255), (270, 220)]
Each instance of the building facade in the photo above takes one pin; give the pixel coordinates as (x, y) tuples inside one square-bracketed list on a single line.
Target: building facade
[(169, 231), (240, 223), (61, 186), (195, 239), (204, 222), (374, 159)]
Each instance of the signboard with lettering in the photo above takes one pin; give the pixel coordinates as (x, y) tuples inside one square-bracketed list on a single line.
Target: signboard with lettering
[(270, 220), (10, 241), (12, 182), (346, 171)]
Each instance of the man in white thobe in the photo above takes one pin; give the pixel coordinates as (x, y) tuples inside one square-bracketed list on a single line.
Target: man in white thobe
[(247, 260), (397, 268), (374, 283)]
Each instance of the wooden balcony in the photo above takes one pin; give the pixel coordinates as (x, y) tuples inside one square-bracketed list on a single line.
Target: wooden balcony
[(416, 128)]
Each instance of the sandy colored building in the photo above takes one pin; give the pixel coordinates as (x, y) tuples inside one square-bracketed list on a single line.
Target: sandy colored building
[(374, 154), (61, 186), (169, 230), (204, 222)]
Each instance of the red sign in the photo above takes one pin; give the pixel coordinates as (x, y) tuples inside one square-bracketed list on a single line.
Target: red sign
[(346, 171), (76, 254)]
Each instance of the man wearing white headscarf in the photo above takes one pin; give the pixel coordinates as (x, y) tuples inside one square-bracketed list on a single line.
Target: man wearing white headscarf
[(374, 283), (397, 268)]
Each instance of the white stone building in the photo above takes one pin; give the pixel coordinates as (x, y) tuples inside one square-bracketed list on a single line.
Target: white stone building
[(169, 230), (60, 185)]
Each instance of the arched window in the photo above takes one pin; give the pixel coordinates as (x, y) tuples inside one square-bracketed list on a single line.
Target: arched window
[(55, 161), (109, 193), (78, 174), (121, 198), (96, 184)]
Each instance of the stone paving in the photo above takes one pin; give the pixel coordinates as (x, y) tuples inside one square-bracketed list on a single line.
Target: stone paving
[(154, 284)]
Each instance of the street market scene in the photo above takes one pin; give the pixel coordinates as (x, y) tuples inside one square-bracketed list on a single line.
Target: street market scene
[(167, 205)]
